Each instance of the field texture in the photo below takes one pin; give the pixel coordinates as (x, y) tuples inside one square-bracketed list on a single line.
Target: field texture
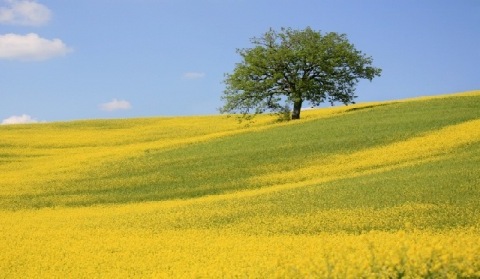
[(377, 190)]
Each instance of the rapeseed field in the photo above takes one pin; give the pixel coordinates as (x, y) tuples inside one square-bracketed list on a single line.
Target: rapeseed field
[(374, 190)]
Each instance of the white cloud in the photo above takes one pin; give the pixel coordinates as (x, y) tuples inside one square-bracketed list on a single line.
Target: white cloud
[(24, 12), (22, 119), (30, 47), (194, 75), (115, 105)]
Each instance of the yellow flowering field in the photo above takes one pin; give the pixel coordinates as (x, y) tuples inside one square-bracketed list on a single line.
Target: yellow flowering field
[(43, 152), (75, 246), (374, 190)]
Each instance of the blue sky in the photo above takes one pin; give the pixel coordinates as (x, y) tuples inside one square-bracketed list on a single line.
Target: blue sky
[(65, 60)]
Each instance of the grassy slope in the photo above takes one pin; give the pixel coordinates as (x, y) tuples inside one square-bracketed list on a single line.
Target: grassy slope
[(105, 168), (230, 193)]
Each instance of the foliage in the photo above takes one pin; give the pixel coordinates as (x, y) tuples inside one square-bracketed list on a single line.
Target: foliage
[(299, 65), (377, 196)]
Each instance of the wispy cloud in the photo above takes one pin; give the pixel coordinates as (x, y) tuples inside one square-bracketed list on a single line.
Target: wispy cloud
[(30, 47), (24, 12), (20, 119), (115, 105), (194, 75)]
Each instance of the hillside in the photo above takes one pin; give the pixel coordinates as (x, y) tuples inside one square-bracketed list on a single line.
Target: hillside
[(387, 188)]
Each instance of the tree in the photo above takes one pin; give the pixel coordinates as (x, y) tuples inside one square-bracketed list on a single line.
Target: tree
[(293, 66)]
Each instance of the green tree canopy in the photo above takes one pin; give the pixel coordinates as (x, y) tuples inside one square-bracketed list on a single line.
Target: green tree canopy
[(293, 66)]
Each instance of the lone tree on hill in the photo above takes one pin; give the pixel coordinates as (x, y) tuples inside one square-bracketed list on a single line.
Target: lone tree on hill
[(293, 66)]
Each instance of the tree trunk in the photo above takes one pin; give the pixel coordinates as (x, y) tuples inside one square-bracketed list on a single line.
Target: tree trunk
[(297, 106)]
